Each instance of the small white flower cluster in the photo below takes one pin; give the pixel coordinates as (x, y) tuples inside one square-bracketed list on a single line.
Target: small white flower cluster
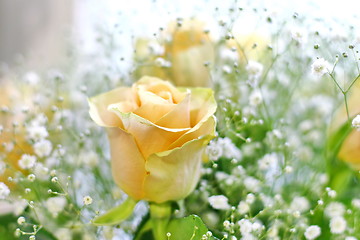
[(335, 211), (248, 228), (223, 147), (27, 161), (219, 202), (36, 130)]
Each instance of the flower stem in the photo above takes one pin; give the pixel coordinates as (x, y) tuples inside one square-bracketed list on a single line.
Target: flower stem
[(160, 215)]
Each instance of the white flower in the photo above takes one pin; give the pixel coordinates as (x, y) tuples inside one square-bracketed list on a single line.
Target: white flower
[(300, 204), (43, 148), (245, 226), (298, 35), (248, 237), (334, 209), (219, 202), (27, 161), (4, 190), (87, 200), (31, 78), (320, 66), (356, 122), (243, 207), (19, 207), (89, 159), (63, 234), (250, 198), (350, 238), (214, 151), (36, 132), (41, 172), (312, 232), (337, 225), (255, 98), (252, 184), (229, 150), (356, 203), (2, 167), (254, 69), (268, 161), (257, 226), (55, 205), (227, 69)]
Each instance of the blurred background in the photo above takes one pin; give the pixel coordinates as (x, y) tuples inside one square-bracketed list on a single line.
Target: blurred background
[(40, 34)]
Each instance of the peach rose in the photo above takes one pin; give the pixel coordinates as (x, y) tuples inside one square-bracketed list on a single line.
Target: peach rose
[(157, 136)]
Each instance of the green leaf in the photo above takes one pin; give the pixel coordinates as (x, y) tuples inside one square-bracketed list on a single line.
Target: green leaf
[(337, 138), (188, 228), (117, 214)]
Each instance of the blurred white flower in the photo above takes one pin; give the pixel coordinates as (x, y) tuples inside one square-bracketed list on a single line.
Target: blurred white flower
[(63, 234), (55, 205), (27, 161), (334, 209), (320, 66), (43, 148), (254, 69), (89, 159), (245, 226), (356, 203), (36, 132), (255, 98), (31, 78), (356, 122), (298, 35), (219, 202), (267, 161), (312, 232), (252, 184), (4, 190), (337, 225), (41, 171), (350, 238), (2, 167), (229, 150), (243, 207), (300, 204)]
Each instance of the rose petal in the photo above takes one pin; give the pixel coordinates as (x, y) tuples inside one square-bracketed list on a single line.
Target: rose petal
[(128, 164), (150, 138), (173, 174), (99, 106), (153, 107), (207, 128), (156, 85), (179, 117)]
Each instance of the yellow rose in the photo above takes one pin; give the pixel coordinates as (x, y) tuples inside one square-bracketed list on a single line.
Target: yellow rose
[(157, 136), (186, 47), (350, 149)]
